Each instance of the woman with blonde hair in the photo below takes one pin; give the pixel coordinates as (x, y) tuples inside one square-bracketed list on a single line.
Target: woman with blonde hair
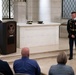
[(61, 68)]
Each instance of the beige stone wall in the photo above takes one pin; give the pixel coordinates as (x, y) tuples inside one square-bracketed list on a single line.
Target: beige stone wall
[(56, 10), (32, 10), (35, 10)]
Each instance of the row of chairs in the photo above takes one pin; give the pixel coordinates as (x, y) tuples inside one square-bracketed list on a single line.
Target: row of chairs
[(20, 74), (16, 74)]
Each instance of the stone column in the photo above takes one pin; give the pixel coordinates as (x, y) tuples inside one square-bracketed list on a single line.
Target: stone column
[(30, 10), (1, 10), (45, 10), (20, 12)]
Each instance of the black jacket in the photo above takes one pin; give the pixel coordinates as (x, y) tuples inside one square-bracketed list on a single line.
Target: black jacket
[(5, 68)]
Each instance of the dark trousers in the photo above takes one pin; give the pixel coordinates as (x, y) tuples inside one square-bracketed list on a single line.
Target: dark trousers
[(71, 44)]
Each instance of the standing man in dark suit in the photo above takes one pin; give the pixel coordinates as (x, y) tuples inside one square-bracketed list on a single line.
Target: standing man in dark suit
[(71, 28), (5, 68)]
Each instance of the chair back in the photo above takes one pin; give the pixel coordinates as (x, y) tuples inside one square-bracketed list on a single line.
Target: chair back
[(1, 73), (20, 74)]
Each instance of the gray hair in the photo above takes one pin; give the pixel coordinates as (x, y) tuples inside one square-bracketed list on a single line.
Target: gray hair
[(62, 58)]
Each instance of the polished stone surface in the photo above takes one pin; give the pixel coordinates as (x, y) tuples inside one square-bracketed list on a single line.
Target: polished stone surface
[(37, 34)]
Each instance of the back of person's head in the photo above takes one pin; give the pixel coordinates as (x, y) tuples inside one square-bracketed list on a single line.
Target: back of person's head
[(62, 58), (25, 52)]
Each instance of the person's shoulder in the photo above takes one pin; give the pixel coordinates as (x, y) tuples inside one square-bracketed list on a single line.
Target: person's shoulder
[(69, 19), (17, 60), (53, 66), (32, 60), (3, 62), (67, 66)]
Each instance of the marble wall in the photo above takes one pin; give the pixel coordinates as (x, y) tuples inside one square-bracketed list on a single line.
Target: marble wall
[(45, 10), (20, 12), (51, 12), (39, 10), (32, 10), (54, 12), (56, 9), (0, 10)]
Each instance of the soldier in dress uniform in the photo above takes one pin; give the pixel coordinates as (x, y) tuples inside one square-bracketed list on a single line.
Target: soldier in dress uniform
[(71, 28)]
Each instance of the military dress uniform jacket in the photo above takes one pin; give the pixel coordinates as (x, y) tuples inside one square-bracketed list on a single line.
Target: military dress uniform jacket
[(71, 28)]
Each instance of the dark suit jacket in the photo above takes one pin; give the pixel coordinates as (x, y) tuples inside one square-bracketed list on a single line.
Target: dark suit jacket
[(5, 68)]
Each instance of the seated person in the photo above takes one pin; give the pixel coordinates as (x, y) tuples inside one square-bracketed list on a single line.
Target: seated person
[(26, 65), (5, 68), (61, 68)]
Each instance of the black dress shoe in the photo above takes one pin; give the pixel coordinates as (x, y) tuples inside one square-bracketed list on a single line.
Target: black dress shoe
[(70, 58)]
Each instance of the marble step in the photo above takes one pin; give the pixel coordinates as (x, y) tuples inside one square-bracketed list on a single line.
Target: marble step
[(37, 56), (40, 55)]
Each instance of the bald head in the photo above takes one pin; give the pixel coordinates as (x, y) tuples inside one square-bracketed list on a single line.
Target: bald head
[(25, 52)]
